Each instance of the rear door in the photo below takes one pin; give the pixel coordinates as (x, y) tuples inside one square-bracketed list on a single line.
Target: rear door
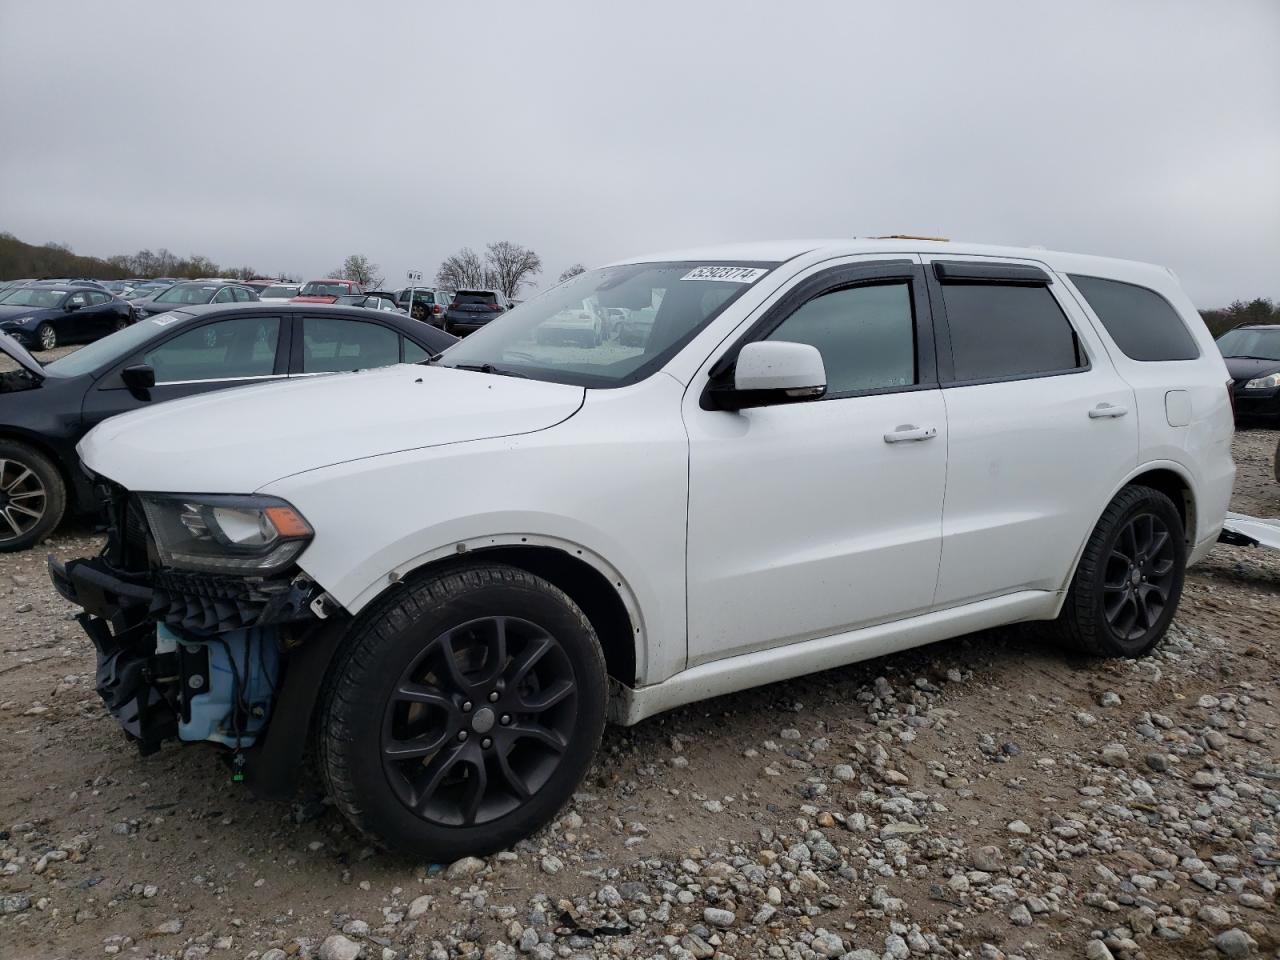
[(339, 344), (1042, 428), (213, 355)]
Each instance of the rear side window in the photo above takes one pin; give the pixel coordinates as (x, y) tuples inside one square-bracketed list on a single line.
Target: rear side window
[(1141, 322), (1003, 331)]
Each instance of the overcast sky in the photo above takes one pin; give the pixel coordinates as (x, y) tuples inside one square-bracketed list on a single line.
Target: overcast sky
[(286, 135)]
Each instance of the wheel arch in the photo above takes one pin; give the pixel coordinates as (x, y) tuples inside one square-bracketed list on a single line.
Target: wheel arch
[(1167, 476), (588, 579)]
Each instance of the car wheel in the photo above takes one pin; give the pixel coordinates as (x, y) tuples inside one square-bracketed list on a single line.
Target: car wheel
[(120, 324), (1127, 586), (46, 336), (32, 496), (462, 713)]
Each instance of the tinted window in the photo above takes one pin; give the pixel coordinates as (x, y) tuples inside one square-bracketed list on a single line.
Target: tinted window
[(331, 344), (1002, 330), (866, 336), (98, 299), (243, 347), (414, 353), (1141, 322)]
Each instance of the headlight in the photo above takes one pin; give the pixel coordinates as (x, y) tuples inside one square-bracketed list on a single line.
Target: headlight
[(16, 322), (1270, 380), (235, 535)]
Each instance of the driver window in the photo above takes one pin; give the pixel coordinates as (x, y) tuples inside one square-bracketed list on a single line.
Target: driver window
[(78, 300), (866, 336), (228, 349)]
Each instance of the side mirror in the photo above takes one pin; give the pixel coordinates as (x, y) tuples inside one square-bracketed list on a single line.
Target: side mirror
[(770, 372), (140, 376)]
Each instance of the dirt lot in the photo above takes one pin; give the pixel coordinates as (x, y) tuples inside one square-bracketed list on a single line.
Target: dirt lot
[(984, 797)]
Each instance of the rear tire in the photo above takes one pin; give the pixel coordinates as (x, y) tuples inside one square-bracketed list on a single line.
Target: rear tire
[(1126, 589), (462, 712), (32, 496)]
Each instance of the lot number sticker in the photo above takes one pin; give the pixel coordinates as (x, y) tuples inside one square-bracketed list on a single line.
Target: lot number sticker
[(726, 274)]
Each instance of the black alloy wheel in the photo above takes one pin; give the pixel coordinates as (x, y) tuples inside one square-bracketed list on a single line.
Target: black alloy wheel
[(462, 711), (1139, 576), (1127, 584), (479, 721), (32, 496)]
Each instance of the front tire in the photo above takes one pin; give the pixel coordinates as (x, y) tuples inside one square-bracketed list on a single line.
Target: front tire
[(462, 713), (46, 336), (1126, 589), (32, 496)]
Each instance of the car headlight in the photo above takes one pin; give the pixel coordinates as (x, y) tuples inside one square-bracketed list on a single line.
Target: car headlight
[(14, 323), (1270, 380), (217, 534)]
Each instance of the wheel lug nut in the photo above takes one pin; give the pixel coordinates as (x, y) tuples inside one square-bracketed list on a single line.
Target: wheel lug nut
[(466, 707), (506, 719), (462, 735), (486, 743), (493, 697)]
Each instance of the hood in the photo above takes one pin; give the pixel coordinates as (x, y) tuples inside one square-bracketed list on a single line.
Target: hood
[(1247, 368), (11, 312), (18, 353), (238, 440)]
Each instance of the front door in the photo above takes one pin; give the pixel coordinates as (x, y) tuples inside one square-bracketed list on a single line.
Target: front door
[(1042, 428), (810, 519)]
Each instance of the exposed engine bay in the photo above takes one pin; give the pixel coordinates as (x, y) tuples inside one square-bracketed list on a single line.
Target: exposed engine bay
[(187, 656)]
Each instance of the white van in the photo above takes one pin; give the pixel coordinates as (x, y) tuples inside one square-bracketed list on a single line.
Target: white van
[(450, 574)]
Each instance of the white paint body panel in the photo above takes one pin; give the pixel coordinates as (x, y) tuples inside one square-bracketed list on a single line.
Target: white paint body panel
[(747, 547)]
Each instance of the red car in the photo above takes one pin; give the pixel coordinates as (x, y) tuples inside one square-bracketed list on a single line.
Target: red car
[(326, 291)]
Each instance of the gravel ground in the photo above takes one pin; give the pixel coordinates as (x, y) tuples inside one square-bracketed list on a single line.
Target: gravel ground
[(984, 797)]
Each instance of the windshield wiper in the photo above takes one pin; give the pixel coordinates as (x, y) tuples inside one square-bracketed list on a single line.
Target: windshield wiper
[(1250, 356), (490, 368)]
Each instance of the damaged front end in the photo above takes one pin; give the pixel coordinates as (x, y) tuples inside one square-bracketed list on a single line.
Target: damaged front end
[(230, 650)]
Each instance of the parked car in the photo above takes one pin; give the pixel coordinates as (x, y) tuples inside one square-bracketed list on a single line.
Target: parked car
[(1252, 354), (428, 303), (580, 325), (377, 300), (459, 570), (44, 314), (147, 289), (45, 410), (191, 294), (279, 292), (469, 310), (326, 291)]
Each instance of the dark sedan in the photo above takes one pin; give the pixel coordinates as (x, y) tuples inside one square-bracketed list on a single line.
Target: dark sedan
[(193, 293), (1252, 355), (45, 410), (43, 314), (472, 309)]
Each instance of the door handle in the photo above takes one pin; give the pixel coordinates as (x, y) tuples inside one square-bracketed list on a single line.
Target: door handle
[(1104, 410), (906, 433)]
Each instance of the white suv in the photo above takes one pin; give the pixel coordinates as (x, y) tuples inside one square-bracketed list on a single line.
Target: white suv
[(450, 574)]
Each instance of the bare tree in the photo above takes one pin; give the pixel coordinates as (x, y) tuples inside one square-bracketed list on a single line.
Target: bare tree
[(358, 267), (464, 270), (512, 265), (572, 271)]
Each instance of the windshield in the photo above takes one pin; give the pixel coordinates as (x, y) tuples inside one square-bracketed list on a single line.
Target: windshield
[(33, 297), (1261, 343), (112, 347), (568, 335), (279, 292), (188, 293), (318, 288)]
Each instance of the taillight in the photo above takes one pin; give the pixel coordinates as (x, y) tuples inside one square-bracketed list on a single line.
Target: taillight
[(495, 307), (437, 309)]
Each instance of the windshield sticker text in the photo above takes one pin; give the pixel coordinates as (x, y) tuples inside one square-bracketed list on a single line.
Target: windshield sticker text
[(726, 274)]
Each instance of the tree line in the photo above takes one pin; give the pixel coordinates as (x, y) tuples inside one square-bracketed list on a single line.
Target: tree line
[(504, 265)]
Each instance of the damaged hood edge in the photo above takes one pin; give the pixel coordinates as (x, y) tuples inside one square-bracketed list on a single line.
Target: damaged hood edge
[(18, 353)]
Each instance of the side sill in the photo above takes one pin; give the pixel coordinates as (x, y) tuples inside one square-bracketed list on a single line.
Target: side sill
[(628, 705)]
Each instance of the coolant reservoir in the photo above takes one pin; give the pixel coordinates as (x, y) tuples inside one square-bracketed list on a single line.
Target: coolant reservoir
[(228, 684)]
